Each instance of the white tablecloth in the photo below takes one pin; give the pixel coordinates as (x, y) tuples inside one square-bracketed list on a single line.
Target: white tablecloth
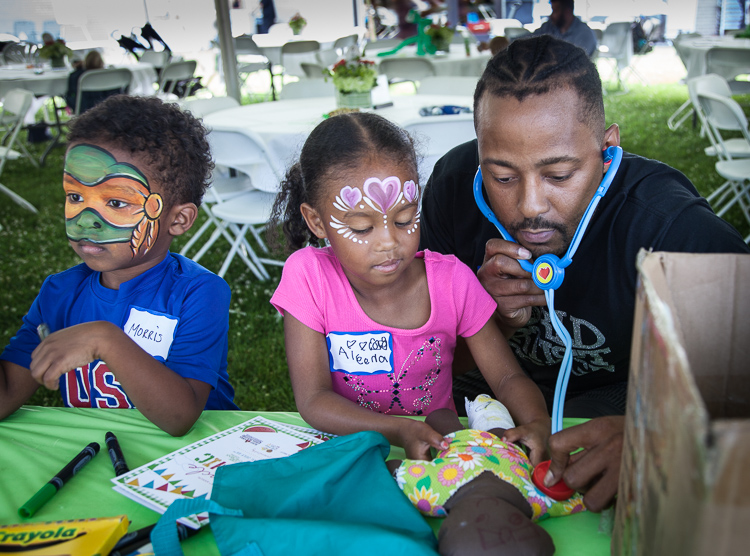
[(285, 124), (453, 63), (51, 82), (55, 81), (697, 48)]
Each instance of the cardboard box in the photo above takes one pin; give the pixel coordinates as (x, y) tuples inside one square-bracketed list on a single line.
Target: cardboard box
[(685, 478)]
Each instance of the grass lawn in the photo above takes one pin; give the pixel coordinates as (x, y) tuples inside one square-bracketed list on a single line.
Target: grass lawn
[(34, 246)]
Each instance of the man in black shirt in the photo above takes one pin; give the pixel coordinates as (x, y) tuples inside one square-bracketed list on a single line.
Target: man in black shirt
[(541, 132)]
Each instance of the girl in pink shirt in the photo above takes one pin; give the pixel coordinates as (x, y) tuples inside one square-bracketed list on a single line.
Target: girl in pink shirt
[(370, 323)]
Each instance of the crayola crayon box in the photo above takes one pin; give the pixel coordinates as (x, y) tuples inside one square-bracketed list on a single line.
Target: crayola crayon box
[(79, 537)]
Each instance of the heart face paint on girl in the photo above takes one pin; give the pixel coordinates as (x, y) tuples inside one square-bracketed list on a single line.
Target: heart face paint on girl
[(380, 195), (108, 201)]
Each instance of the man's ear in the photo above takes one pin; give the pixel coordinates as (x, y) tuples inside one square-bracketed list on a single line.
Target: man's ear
[(181, 218), (611, 136), (313, 220)]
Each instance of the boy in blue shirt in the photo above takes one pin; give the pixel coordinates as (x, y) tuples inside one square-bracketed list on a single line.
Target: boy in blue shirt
[(139, 326)]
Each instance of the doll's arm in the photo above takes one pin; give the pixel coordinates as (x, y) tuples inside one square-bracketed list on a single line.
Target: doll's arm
[(324, 409), (512, 388)]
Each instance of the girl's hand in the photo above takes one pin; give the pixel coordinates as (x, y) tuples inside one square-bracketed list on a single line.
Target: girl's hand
[(417, 437), (534, 436)]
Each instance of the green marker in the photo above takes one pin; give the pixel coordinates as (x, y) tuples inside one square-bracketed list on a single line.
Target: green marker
[(57, 482)]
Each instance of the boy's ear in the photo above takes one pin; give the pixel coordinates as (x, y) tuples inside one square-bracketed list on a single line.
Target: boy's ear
[(181, 218), (313, 220)]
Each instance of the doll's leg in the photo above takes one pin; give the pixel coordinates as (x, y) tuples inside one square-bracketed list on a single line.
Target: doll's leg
[(444, 421), (489, 516)]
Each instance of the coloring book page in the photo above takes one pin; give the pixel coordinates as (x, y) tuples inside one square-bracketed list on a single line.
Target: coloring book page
[(189, 472)]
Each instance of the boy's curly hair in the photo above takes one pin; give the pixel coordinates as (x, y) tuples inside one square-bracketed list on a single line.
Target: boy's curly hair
[(172, 142)]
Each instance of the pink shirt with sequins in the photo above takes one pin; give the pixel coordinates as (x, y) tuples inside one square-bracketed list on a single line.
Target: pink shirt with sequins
[(388, 370)]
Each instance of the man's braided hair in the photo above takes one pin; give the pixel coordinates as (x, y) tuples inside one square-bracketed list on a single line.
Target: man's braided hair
[(541, 65)]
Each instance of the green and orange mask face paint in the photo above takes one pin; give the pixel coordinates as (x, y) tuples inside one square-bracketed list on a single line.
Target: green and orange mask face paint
[(109, 201)]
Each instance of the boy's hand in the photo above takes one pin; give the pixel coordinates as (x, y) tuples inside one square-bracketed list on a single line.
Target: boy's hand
[(417, 438), (67, 349), (534, 436)]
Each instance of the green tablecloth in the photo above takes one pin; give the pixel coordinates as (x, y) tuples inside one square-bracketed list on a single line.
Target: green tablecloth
[(36, 442)]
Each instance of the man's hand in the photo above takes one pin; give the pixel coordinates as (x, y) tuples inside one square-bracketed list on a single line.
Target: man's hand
[(595, 470), (511, 286)]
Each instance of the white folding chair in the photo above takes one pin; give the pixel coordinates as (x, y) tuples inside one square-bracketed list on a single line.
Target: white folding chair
[(308, 88), (344, 48), (725, 148), (436, 135), (724, 113), (617, 45), (156, 59), (513, 33), (114, 80), (447, 85), (729, 62), (687, 108), (16, 102), (406, 69), (253, 59), (20, 53), (174, 73), (313, 71), (239, 211), (299, 51)]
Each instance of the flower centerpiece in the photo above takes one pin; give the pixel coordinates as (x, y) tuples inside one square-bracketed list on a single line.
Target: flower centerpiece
[(354, 80), (55, 51), (297, 23), (441, 36)]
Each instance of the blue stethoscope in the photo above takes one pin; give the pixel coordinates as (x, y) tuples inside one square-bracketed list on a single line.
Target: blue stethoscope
[(548, 271)]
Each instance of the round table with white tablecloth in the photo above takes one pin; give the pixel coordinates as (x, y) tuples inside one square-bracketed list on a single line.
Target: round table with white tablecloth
[(285, 124), (697, 48)]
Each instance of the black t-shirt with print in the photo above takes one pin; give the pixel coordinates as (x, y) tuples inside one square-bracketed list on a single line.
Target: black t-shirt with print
[(648, 205)]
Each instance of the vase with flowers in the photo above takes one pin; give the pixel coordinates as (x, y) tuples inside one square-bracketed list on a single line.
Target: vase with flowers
[(55, 51), (297, 23), (354, 80), (441, 36)]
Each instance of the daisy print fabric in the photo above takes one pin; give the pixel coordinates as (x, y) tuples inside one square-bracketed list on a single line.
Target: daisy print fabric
[(430, 484)]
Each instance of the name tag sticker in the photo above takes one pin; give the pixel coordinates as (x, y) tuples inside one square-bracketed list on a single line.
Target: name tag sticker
[(360, 353), (154, 332)]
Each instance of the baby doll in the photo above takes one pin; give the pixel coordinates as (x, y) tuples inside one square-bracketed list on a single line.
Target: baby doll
[(482, 486)]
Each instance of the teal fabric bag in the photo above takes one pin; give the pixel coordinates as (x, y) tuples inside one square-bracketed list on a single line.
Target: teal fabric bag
[(334, 498)]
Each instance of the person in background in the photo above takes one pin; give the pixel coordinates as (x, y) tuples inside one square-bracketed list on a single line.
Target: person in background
[(495, 45), (89, 99), (268, 17), (541, 136), (562, 24), (133, 325)]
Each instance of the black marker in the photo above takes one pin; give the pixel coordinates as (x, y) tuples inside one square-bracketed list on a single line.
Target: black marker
[(136, 539), (57, 482), (115, 454)]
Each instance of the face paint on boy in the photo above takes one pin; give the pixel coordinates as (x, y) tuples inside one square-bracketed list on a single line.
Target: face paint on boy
[(107, 201), (380, 195)]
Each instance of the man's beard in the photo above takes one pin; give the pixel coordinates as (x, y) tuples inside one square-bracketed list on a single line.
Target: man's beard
[(539, 223)]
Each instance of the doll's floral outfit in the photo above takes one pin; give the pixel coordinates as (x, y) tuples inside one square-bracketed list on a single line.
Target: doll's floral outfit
[(430, 484)]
